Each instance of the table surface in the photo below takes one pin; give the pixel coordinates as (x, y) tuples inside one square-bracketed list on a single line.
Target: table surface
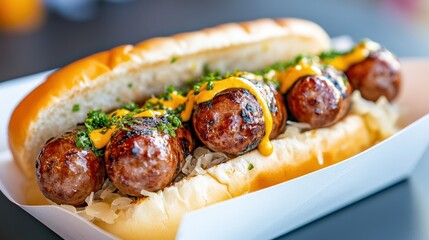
[(399, 212)]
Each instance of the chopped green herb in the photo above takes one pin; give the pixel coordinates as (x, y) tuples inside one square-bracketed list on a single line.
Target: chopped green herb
[(250, 167), (118, 99), (174, 120), (328, 55), (82, 140), (172, 132), (331, 54), (130, 85), (197, 89), (171, 89), (132, 106), (209, 77), (166, 95), (174, 59), (170, 123), (210, 85), (96, 119), (180, 108), (76, 108), (154, 106), (98, 152)]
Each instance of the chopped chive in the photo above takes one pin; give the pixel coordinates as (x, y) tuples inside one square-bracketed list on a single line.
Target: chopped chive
[(76, 108), (174, 59), (250, 167)]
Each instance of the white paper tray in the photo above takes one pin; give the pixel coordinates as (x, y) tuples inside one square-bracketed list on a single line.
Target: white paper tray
[(262, 214)]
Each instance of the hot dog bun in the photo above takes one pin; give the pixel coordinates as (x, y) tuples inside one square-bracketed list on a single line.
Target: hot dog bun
[(97, 81), (132, 73)]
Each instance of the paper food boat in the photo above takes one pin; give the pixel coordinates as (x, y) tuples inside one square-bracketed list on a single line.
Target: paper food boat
[(266, 213)]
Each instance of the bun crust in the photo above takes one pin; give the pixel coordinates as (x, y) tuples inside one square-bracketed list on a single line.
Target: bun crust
[(127, 73)]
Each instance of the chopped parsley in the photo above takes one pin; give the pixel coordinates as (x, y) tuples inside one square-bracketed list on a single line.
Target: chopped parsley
[(154, 106), (130, 85), (210, 85), (197, 88), (174, 59), (82, 140), (96, 119), (208, 77), (76, 108), (328, 55), (250, 167), (281, 66), (171, 89), (132, 106), (170, 123)]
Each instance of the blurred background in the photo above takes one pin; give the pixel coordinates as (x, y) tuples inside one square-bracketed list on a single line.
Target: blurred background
[(39, 35)]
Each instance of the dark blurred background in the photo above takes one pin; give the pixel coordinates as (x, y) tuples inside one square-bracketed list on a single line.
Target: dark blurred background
[(70, 31), (38, 35)]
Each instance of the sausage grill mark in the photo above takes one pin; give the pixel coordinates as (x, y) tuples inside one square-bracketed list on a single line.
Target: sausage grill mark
[(134, 132)]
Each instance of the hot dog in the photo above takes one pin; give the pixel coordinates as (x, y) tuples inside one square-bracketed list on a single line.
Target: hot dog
[(238, 118)]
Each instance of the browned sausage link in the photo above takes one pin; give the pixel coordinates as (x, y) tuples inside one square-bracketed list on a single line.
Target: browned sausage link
[(144, 158), (321, 100), (276, 105), (67, 174), (233, 123), (378, 75)]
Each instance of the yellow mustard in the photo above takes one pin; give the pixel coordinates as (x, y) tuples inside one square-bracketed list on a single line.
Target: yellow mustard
[(292, 74)]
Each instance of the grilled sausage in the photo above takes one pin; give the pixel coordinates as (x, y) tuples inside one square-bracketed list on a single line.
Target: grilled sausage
[(145, 158), (233, 123), (67, 174), (320, 100), (378, 75)]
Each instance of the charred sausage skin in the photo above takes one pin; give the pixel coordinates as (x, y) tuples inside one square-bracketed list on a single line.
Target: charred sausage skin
[(233, 122), (377, 75), (320, 100), (67, 174), (144, 158)]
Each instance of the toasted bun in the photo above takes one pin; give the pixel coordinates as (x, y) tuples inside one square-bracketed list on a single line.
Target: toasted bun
[(127, 73)]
